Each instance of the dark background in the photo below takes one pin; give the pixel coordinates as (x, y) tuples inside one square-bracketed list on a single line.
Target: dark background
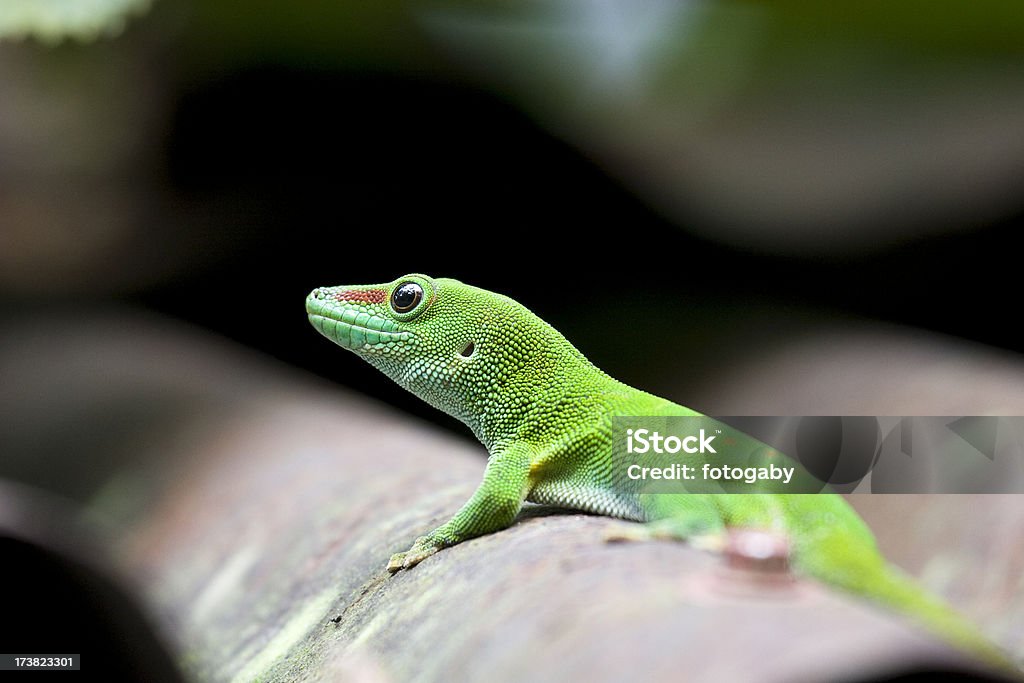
[(345, 178), (215, 162)]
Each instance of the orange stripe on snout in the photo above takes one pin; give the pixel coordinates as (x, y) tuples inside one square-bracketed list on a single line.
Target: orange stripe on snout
[(363, 296)]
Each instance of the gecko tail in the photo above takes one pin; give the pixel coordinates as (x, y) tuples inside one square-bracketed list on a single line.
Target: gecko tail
[(872, 578), (895, 588)]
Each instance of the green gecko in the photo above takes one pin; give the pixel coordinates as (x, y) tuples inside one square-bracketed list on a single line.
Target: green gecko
[(544, 413)]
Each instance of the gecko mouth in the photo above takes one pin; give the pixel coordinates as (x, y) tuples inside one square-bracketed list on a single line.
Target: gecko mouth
[(357, 330)]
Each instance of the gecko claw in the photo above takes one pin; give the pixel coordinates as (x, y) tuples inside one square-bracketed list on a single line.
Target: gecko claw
[(396, 563)]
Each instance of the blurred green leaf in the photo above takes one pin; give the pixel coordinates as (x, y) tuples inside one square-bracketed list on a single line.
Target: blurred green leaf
[(54, 20)]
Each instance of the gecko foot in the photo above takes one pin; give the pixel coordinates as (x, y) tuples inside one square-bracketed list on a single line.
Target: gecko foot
[(423, 548), (626, 532), (712, 541)]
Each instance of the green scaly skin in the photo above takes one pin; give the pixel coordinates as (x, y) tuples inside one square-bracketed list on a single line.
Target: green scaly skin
[(544, 413)]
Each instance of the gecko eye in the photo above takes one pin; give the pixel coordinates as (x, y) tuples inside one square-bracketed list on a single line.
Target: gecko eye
[(405, 297)]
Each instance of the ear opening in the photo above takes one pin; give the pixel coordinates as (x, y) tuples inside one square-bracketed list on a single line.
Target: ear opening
[(468, 350)]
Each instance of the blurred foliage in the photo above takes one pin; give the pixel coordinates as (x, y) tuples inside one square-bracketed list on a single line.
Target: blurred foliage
[(317, 34), (791, 127), (53, 20), (829, 134)]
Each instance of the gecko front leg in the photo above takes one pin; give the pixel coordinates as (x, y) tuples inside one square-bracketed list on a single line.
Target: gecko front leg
[(493, 506)]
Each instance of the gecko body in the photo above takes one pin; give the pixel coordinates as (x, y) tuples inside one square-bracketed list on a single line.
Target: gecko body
[(544, 413)]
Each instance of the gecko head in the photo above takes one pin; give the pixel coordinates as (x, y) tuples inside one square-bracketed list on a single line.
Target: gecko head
[(417, 329), (372, 320), (454, 345)]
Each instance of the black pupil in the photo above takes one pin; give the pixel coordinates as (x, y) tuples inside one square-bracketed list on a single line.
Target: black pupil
[(406, 297)]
